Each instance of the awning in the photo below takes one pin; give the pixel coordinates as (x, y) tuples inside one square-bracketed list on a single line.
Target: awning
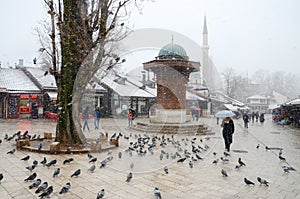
[(191, 96), (295, 102), (52, 95), (274, 106)]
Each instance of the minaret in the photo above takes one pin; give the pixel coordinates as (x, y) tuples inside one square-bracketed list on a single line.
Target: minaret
[(205, 66)]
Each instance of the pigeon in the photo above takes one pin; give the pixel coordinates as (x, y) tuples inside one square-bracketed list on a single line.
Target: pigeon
[(120, 154), (40, 146), (262, 181), (287, 169), (93, 160), (224, 160), (181, 159), (198, 157), (1, 177), (76, 173), (35, 162), (56, 172), (224, 173), (191, 164), (30, 168), (26, 158), (52, 162), (161, 156), (44, 161), (103, 163), (89, 155), (129, 177), (166, 169), (109, 152), (35, 184), (11, 151), (33, 137), (92, 168), (42, 187), (68, 160), (215, 161), (241, 162), (257, 146), (46, 73), (31, 177), (65, 188), (281, 158), (101, 194), (157, 193), (248, 182), (46, 193)]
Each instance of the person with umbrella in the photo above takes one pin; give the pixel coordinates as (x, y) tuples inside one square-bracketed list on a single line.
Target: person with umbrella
[(228, 130)]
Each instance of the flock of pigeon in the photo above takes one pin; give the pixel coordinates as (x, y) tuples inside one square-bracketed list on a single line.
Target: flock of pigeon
[(189, 150)]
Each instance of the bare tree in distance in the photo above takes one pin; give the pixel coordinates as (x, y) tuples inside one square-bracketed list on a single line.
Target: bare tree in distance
[(83, 37), (282, 82), (228, 76)]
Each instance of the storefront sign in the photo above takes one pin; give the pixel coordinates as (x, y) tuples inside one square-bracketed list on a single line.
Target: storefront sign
[(24, 96)]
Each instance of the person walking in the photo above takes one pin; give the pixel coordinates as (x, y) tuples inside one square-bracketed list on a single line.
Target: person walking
[(85, 116), (130, 117), (246, 120), (256, 116), (97, 117), (253, 116), (228, 130), (262, 118)]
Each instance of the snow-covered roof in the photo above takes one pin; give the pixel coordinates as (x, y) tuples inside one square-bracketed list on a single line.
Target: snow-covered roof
[(235, 108), (231, 100), (128, 88), (46, 81), (16, 81)]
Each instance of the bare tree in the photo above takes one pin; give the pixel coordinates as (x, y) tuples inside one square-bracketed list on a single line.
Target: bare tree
[(83, 36), (228, 75)]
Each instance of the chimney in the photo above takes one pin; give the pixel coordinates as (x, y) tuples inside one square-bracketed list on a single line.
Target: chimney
[(21, 62)]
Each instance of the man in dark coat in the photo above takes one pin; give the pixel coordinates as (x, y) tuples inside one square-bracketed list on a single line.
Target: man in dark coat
[(253, 116), (246, 120), (228, 130)]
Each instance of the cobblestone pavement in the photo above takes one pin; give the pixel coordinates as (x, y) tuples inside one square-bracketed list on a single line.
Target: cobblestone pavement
[(204, 180)]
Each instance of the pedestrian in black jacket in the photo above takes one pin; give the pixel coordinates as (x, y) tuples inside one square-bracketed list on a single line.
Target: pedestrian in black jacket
[(228, 130), (246, 120)]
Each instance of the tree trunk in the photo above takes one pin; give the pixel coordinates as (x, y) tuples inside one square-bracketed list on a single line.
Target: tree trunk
[(66, 131)]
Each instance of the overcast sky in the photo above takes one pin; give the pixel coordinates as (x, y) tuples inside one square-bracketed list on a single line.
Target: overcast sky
[(246, 35)]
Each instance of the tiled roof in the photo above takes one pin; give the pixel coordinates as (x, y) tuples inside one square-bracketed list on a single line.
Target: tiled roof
[(16, 81)]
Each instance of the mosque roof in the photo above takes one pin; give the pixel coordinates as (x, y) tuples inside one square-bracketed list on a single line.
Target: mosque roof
[(172, 49)]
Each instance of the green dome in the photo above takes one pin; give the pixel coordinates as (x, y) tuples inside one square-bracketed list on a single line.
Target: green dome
[(172, 49)]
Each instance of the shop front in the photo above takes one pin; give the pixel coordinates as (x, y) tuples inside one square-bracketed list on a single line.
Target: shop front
[(23, 105)]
